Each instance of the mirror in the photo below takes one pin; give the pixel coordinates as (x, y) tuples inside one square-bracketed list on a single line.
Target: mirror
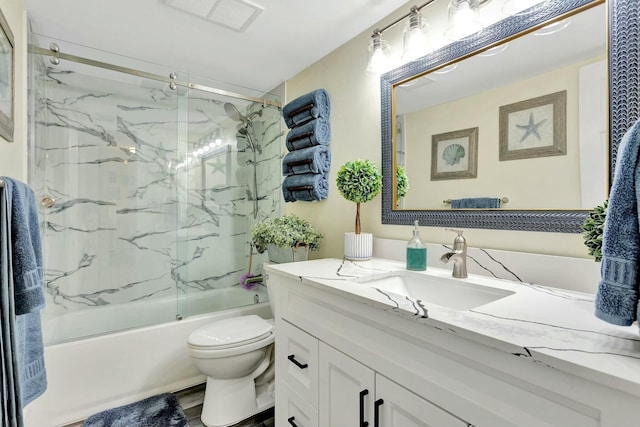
[(435, 111)]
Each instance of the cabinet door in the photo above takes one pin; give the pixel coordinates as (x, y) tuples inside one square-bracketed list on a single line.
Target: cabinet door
[(398, 407), (297, 361), (346, 390), (292, 410)]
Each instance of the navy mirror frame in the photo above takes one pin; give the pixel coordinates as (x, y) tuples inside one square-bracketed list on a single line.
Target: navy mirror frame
[(623, 55)]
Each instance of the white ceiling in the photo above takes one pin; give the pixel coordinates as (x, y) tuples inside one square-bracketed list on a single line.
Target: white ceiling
[(284, 39)]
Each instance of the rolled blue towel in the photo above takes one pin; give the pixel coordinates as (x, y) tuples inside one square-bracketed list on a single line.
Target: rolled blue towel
[(308, 160), (315, 132), (307, 107), (476, 203), (307, 187)]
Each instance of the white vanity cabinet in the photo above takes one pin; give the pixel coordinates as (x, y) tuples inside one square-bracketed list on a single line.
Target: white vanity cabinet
[(352, 395), (324, 387), (333, 345)]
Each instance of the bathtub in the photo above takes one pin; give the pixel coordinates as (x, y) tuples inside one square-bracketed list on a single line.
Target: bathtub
[(89, 375)]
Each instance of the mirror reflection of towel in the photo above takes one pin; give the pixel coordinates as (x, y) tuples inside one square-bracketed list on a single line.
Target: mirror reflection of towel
[(476, 203)]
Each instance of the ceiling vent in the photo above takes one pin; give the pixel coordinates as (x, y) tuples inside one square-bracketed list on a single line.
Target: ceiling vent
[(234, 14)]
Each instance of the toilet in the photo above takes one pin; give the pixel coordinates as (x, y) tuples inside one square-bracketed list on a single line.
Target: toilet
[(236, 355)]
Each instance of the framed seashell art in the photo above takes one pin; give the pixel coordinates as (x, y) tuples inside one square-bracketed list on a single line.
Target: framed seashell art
[(454, 155)]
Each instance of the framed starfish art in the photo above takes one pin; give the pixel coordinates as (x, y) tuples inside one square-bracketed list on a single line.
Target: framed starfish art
[(535, 127)]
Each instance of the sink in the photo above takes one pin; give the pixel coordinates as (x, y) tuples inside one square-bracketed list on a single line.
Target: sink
[(443, 291)]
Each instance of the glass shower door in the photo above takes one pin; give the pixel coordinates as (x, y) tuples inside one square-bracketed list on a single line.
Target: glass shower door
[(105, 144)]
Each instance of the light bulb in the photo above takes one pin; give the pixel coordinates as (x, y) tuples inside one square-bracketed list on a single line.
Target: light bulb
[(465, 15), (463, 19), (378, 61)]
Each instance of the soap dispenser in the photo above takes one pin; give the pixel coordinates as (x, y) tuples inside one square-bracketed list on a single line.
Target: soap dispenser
[(416, 251)]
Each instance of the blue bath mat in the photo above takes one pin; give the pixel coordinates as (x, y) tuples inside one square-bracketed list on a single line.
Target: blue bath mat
[(156, 411)]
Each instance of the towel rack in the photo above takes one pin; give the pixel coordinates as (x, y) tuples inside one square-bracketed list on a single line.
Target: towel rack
[(301, 188), (301, 109), (502, 200), (301, 136), (1, 183), (300, 162)]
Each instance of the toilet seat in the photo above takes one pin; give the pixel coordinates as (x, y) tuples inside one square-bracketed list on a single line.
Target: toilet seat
[(231, 336)]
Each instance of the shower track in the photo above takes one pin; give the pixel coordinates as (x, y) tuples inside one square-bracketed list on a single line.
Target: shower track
[(144, 74)]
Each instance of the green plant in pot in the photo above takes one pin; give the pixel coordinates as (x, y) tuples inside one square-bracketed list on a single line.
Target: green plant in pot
[(402, 183), (286, 239), (593, 230), (359, 181)]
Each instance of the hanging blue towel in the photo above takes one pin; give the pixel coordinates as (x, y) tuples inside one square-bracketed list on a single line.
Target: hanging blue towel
[(307, 107), (476, 203), (308, 160), (617, 299), (307, 187), (315, 132), (22, 293)]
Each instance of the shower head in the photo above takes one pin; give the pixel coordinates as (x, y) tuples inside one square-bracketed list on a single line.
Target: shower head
[(235, 114)]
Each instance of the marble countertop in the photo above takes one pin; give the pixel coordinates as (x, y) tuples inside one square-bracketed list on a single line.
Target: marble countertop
[(550, 326)]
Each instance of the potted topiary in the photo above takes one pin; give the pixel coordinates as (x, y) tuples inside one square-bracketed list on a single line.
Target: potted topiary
[(593, 229), (286, 239), (359, 181), (402, 183)]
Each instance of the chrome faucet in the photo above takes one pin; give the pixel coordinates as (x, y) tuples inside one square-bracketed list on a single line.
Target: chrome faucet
[(458, 255)]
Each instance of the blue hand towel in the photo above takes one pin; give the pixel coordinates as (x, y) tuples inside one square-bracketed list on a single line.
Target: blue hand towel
[(617, 295), (476, 203), (307, 107), (22, 292), (26, 247), (307, 187), (315, 132), (308, 160)]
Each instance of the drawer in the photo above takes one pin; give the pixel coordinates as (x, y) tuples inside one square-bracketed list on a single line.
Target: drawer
[(292, 410), (297, 361)]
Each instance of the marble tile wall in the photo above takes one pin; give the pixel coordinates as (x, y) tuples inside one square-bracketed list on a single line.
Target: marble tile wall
[(153, 187)]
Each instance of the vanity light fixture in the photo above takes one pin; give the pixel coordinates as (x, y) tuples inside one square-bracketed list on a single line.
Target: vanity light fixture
[(463, 22), (379, 54), (416, 36), (464, 19)]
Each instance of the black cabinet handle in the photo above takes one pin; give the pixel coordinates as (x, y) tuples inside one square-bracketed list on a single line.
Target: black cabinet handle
[(363, 393), (376, 412), (291, 421), (292, 358)]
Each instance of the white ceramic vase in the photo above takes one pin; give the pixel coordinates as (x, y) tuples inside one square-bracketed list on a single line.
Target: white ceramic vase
[(358, 247)]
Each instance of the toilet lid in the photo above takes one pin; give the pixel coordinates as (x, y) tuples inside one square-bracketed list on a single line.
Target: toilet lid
[(234, 331)]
